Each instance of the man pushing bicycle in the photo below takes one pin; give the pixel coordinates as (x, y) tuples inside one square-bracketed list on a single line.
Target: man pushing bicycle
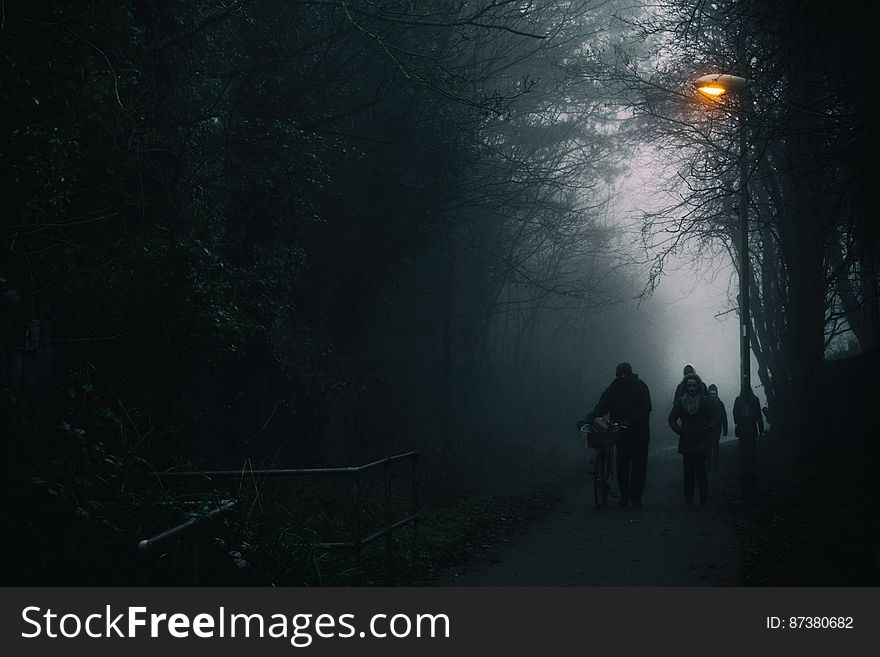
[(627, 401)]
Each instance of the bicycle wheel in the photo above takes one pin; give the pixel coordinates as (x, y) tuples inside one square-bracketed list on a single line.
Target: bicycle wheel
[(600, 480)]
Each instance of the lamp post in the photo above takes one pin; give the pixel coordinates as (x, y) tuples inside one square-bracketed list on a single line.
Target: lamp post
[(714, 87)]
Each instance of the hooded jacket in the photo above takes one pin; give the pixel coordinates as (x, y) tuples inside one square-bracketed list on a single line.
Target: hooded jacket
[(747, 416), (682, 387)]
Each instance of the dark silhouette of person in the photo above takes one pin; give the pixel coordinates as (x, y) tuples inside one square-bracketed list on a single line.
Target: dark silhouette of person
[(719, 425), (748, 424), (628, 402), (691, 419), (679, 389)]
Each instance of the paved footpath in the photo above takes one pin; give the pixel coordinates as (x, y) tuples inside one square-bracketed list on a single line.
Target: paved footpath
[(665, 543)]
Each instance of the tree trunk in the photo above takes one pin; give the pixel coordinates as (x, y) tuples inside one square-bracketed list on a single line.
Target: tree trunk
[(801, 234)]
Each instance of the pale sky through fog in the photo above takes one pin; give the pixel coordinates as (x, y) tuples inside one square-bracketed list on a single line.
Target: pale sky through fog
[(706, 332)]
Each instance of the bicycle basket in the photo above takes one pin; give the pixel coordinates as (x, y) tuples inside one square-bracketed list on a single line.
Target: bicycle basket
[(596, 440)]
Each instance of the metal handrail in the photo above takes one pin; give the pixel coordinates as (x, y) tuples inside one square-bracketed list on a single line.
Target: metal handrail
[(358, 541), (147, 544), (288, 471)]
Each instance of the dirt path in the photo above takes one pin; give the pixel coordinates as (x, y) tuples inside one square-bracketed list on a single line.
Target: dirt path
[(666, 543)]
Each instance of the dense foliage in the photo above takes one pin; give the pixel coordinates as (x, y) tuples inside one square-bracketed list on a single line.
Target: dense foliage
[(219, 218), (244, 233)]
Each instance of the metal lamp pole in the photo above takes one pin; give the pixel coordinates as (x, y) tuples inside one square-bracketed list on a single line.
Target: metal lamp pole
[(714, 86), (744, 262)]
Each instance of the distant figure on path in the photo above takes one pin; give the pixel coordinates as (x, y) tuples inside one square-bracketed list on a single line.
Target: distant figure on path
[(748, 423), (719, 424), (679, 389), (628, 401), (691, 418)]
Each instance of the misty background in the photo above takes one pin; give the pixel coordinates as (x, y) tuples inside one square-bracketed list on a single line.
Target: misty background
[(267, 234)]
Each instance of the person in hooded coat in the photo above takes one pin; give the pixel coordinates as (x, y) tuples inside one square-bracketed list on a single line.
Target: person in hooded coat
[(719, 425), (691, 418), (679, 389), (748, 423), (628, 401)]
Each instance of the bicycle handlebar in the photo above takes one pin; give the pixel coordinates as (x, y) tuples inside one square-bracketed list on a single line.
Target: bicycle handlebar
[(613, 427)]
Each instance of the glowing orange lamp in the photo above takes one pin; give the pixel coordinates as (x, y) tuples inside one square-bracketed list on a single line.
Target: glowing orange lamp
[(715, 85)]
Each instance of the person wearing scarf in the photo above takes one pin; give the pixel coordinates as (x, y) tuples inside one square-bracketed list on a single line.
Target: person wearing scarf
[(679, 389), (691, 418)]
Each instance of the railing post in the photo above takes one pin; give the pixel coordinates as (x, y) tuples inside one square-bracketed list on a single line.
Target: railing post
[(145, 567), (415, 503), (389, 566), (356, 510), (195, 556)]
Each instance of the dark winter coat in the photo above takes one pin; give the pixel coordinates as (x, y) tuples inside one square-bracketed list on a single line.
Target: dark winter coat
[(693, 430), (719, 417), (628, 400), (748, 418)]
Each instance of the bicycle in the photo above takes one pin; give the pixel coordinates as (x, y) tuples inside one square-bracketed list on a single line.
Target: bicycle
[(602, 436)]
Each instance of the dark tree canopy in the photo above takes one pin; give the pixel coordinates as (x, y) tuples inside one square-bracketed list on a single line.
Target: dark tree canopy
[(294, 233)]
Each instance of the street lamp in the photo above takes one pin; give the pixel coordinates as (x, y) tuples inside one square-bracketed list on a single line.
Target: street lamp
[(715, 86)]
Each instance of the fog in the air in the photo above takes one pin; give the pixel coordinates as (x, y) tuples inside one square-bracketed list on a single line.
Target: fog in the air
[(691, 316), (383, 259)]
